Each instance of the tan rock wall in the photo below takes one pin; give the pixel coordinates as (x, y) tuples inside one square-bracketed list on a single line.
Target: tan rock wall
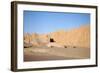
[(79, 37)]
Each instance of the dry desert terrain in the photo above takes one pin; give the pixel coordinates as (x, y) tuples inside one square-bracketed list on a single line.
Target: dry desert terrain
[(58, 45)]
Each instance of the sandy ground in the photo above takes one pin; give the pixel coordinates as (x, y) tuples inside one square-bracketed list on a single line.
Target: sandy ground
[(55, 53)]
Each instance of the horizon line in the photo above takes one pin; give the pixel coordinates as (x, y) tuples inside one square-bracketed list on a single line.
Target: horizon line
[(58, 30)]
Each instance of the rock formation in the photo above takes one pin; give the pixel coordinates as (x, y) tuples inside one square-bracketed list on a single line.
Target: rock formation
[(78, 37)]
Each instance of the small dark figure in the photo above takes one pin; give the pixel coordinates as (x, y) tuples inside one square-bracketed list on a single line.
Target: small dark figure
[(65, 46), (52, 46), (74, 46)]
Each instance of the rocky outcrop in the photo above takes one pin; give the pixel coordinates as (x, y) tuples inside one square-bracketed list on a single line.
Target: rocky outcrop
[(78, 37)]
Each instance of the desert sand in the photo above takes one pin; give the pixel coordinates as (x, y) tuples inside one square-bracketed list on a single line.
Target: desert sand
[(71, 44)]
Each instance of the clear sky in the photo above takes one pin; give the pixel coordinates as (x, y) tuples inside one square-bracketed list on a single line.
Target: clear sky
[(45, 22)]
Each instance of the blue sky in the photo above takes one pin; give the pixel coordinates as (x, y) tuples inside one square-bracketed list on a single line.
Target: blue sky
[(45, 22)]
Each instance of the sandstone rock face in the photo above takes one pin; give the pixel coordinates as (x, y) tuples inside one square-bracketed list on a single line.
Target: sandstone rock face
[(36, 39), (78, 37)]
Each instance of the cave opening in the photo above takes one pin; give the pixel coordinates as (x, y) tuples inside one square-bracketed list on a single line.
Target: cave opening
[(52, 40)]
